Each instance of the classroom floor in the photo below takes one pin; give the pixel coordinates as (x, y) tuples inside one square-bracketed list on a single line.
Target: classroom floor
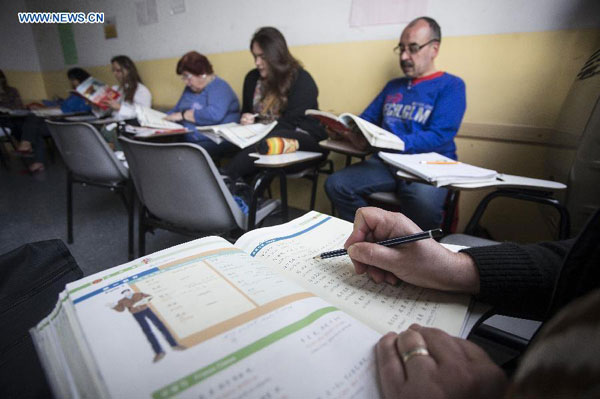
[(33, 208)]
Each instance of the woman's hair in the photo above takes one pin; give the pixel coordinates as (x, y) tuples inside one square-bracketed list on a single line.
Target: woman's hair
[(3, 81), (194, 63), (77, 74), (132, 77), (283, 67)]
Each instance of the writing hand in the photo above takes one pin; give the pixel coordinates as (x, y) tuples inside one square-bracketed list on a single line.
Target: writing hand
[(425, 263), (449, 367)]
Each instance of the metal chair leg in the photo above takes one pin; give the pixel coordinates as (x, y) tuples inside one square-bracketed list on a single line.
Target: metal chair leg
[(69, 207)]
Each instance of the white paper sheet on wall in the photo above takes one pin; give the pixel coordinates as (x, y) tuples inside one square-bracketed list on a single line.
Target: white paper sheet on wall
[(381, 12), (146, 12)]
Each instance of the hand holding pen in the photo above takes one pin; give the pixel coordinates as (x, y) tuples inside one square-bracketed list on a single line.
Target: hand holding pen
[(424, 262)]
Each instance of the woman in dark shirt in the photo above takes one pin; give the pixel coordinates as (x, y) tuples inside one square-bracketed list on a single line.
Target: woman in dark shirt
[(277, 89)]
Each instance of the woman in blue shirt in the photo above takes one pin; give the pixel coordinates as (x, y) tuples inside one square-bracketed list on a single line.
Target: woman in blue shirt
[(34, 128), (206, 100)]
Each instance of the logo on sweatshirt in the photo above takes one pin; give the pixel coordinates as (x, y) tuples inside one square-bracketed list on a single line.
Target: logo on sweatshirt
[(415, 111)]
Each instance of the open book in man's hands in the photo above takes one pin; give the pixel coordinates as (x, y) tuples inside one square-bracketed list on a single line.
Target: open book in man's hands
[(260, 318), (359, 132), (96, 92)]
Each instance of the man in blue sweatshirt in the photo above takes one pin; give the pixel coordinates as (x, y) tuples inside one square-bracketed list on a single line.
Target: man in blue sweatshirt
[(424, 108)]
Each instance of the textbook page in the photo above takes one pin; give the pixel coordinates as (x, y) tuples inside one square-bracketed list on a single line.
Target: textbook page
[(375, 135), (223, 324), (148, 117), (291, 247), (241, 135)]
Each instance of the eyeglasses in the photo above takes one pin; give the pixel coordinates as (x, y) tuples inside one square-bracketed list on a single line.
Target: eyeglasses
[(188, 76), (413, 48)]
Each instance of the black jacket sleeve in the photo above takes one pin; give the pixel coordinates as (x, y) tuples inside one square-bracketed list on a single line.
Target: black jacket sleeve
[(248, 91), (302, 96), (535, 281)]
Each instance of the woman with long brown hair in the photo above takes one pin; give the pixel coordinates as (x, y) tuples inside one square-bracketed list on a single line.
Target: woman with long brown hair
[(277, 89), (130, 87)]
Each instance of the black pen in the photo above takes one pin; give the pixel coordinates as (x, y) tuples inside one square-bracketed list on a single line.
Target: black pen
[(388, 243)]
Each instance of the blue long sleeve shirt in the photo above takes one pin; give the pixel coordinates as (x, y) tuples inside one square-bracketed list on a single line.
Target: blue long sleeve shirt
[(214, 105), (424, 112), (74, 103)]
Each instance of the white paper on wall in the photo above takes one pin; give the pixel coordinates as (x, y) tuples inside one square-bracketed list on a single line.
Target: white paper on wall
[(385, 12)]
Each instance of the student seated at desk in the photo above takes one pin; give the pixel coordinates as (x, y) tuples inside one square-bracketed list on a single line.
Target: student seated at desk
[(206, 100), (9, 96), (424, 109), (34, 128), (130, 87), (278, 89), (133, 92), (557, 281)]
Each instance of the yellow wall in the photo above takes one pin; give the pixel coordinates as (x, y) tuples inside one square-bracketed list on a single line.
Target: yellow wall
[(519, 78), (516, 85)]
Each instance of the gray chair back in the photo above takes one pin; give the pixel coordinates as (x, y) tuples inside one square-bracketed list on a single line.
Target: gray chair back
[(86, 153), (180, 184)]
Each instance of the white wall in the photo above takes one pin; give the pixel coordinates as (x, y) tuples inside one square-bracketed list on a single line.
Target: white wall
[(213, 26), (17, 47)]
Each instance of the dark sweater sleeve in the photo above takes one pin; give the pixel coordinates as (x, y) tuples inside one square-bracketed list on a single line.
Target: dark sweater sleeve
[(519, 280), (303, 95), (248, 91)]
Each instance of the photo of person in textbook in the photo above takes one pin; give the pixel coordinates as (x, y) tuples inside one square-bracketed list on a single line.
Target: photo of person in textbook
[(278, 89), (206, 100), (424, 109), (556, 282), (137, 304)]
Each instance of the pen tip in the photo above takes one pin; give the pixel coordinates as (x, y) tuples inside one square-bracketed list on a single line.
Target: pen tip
[(317, 257)]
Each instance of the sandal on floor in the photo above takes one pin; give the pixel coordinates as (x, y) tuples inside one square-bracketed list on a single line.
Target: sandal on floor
[(36, 168)]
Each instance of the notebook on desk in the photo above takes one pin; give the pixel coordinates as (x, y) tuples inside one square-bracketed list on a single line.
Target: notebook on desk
[(439, 170)]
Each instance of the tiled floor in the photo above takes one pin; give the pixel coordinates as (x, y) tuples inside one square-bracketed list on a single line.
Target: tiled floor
[(33, 208)]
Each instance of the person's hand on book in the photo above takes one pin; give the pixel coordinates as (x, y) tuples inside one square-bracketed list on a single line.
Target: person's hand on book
[(428, 363), (247, 118), (112, 104), (424, 263)]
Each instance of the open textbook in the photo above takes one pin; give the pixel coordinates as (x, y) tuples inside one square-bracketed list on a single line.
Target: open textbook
[(260, 318), (347, 122), (241, 135), (438, 169), (153, 119), (96, 92)]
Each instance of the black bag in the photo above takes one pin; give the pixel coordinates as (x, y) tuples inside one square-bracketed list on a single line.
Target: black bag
[(31, 277)]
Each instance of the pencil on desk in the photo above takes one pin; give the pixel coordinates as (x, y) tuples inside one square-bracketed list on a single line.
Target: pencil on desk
[(440, 162), (388, 243)]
